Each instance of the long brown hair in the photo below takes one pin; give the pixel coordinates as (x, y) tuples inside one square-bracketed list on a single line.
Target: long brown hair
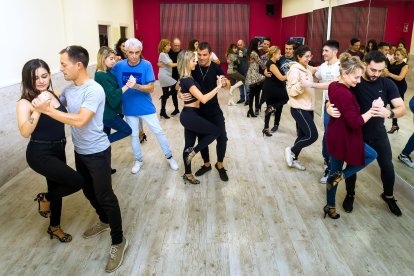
[(28, 86)]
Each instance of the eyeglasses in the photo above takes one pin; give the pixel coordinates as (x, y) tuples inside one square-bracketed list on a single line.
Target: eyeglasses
[(308, 57)]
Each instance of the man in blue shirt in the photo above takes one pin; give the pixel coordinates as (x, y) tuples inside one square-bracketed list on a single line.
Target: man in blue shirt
[(137, 101)]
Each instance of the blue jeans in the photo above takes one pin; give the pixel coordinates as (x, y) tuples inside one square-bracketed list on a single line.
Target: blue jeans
[(153, 123), (325, 153), (409, 147), (122, 129), (244, 92), (335, 165)]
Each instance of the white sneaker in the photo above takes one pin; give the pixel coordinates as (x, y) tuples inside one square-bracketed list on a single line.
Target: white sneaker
[(324, 178), (298, 165), (173, 164), (406, 160), (137, 166), (288, 157)]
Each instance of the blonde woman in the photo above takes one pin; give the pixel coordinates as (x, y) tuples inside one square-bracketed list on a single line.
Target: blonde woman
[(194, 125), (274, 90), (397, 71), (165, 74), (112, 117)]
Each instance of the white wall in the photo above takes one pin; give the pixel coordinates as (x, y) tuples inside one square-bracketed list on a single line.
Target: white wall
[(40, 29)]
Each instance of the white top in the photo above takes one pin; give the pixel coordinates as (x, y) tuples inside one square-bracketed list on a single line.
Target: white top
[(327, 73), (165, 72)]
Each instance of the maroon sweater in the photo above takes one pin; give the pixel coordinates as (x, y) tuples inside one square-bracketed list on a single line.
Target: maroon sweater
[(344, 134)]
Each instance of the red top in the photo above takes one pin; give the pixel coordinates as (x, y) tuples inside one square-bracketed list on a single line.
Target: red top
[(344, 134)]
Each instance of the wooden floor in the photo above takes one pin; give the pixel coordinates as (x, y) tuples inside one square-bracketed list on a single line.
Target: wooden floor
[(267, 220)]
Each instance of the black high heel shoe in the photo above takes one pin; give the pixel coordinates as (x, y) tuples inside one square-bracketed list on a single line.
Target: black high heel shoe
[(393, 129), (331, 212), (269, 109), (52, 230), (142, 138), (190, 179), (42, 198), (164, 115), (334, 179), (266, 132), (250, 114)]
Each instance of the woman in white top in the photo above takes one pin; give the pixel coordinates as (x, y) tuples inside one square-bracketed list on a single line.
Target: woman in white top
[(165, 74)]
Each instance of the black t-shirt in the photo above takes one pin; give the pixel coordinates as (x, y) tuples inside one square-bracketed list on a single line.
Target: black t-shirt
[(207, 78), (185, 84), (368, 91), (174, 56)]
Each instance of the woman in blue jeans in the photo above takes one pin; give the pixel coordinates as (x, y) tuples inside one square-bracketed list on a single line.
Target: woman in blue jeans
[(409, 147), (113, 118), (344, 134)]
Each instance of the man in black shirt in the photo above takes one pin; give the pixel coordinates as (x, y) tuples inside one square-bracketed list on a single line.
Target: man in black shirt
[(372, 87), (173, 53), (206, 73)]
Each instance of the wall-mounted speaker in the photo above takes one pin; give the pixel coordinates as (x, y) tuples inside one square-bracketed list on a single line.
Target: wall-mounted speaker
[(270, 9)]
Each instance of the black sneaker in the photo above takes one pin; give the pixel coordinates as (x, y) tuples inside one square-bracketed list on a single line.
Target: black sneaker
[(222, 173), (240, 101), (274, 128), (348, 203), (202, 170), (392, 205)]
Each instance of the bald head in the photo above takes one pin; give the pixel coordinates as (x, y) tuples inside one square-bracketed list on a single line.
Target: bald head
[(176, 45), (240, 44)]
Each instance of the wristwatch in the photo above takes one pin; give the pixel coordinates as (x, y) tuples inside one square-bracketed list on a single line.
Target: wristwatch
[(391, 114)]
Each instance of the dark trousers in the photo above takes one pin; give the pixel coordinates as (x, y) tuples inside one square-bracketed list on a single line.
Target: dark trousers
[(195, 125), (306, 129), (49, 160), (278, 106), (254, 95), (166, 92), (96, 169), (218, 120), (383, 148)]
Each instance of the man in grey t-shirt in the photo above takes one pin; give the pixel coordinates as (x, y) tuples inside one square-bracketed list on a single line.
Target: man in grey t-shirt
[(85, 101)]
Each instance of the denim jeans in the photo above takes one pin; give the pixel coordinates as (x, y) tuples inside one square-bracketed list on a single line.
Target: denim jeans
[(244, 92), (153, 123), (325, 153), (336, 165), (122, 129)]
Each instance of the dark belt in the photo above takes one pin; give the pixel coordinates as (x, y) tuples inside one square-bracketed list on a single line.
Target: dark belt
[(48, 142)]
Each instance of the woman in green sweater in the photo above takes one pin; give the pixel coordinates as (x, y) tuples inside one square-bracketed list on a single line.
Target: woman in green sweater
[(112, 118)]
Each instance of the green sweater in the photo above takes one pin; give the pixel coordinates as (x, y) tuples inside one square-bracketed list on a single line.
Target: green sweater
[(113, 101)]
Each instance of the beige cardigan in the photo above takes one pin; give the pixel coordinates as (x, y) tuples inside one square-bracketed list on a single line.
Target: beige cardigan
[(300, 97)]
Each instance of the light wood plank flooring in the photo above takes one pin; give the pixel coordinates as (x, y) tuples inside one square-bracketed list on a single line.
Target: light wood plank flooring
[(267, 220)]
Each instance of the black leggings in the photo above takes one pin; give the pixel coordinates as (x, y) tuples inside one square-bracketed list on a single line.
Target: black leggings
[(305, 128), (278, 106), (166, 92), (255, 93), (383, 148), (49, 160), (194, 125)]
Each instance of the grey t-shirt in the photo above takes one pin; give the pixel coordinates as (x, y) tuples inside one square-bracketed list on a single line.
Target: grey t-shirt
[(90, 95)]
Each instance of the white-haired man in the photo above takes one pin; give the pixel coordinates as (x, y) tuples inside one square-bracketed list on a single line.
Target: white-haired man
[(137, 101)]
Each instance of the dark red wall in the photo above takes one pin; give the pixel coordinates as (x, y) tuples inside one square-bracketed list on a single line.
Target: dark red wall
[(147, 22)]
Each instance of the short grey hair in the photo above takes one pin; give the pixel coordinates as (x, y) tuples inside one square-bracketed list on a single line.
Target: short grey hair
[(133, 42)]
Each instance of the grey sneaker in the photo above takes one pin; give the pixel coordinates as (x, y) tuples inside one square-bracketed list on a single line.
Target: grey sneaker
[(96, 229), (406, 160), (296, 164), (116, 256)]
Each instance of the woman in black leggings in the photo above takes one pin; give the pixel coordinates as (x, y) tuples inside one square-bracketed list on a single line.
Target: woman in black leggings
[(46, 150), (193, 123)]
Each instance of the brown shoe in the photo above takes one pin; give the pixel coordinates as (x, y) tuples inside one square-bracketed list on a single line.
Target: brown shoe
[(116, 256)]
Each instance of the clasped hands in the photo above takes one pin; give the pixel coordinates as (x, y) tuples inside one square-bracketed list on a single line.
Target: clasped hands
[(42, 102), (377, 109), (131, 82)]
